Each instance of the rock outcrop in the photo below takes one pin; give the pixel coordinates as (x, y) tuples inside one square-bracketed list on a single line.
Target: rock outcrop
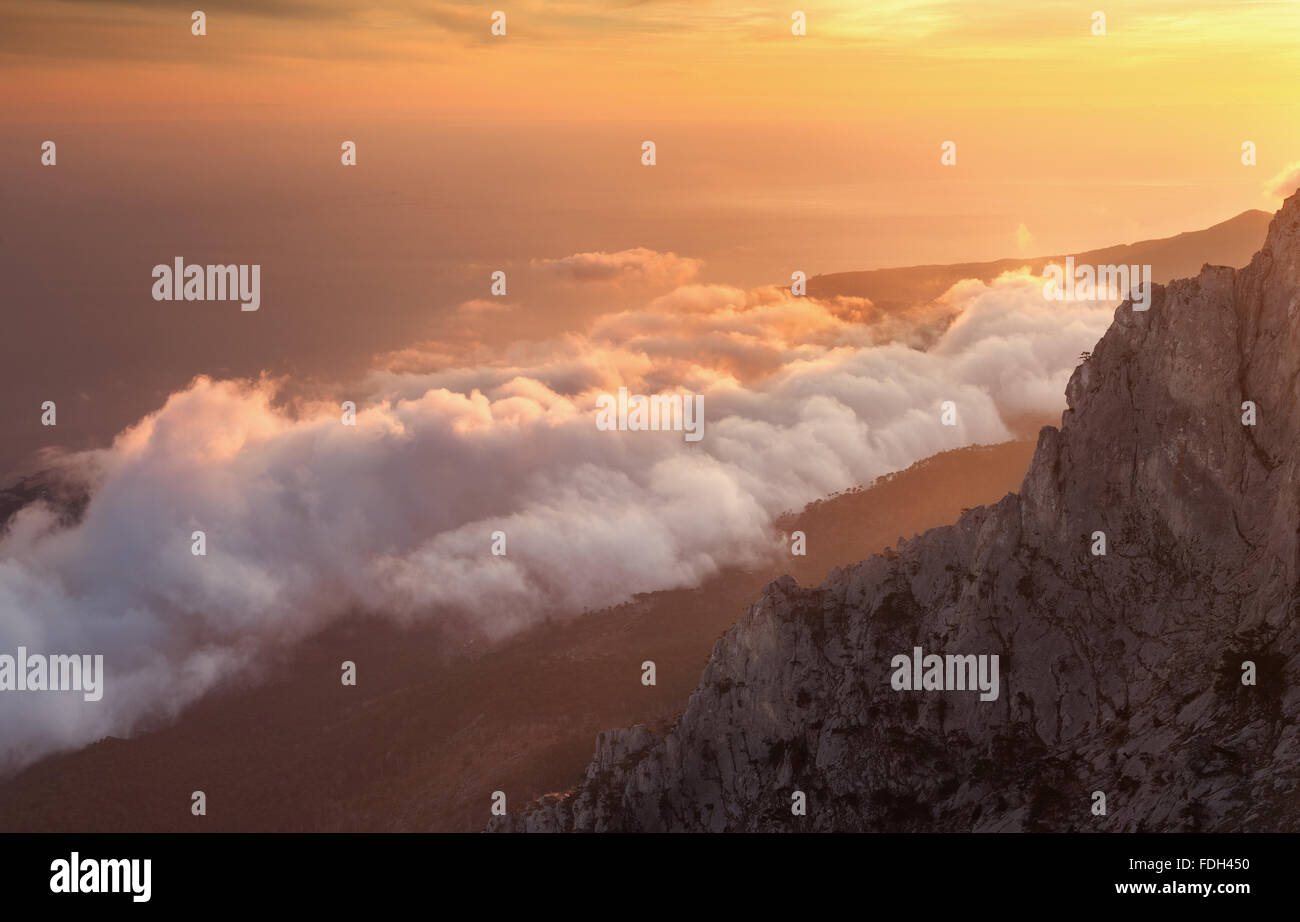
[(1125, 673)]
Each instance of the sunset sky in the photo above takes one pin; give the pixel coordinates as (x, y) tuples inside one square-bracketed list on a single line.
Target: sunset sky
[(1083, 139), (303, 59)]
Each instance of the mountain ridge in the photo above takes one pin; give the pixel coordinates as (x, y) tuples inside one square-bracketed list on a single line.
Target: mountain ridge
[(1231, 242)]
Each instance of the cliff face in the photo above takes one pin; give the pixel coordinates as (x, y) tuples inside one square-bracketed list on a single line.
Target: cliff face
[(1120, 673)]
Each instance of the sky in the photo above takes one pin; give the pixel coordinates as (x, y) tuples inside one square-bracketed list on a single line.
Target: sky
[(522, 153), (655, 59), (1084, 139)]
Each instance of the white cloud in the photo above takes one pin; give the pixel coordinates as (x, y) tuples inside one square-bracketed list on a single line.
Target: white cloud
[(308, 520), (1285, 182), (639, 265)]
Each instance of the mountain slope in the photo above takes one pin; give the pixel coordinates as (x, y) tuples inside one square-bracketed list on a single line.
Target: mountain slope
[(1120, 674)]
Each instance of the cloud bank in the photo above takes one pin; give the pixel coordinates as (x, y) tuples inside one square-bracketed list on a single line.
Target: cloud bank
[(1286, 181), (308, 520)]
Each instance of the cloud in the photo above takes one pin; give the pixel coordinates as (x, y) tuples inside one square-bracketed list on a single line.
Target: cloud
[(308, 521), (639, 265), (1285, 182)]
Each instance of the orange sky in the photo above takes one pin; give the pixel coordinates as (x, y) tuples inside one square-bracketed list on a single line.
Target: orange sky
[(1162, 101), (658, 58)]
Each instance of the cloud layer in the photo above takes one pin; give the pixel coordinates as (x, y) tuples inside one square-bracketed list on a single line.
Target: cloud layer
[(638, 265), (1285, 181), (308, 520)]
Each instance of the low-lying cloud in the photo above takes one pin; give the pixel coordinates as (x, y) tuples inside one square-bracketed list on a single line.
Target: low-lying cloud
[(639, 265), (308, 520)]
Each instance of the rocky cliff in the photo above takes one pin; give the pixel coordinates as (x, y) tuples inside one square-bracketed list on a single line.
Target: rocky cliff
[(1161, 674)]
